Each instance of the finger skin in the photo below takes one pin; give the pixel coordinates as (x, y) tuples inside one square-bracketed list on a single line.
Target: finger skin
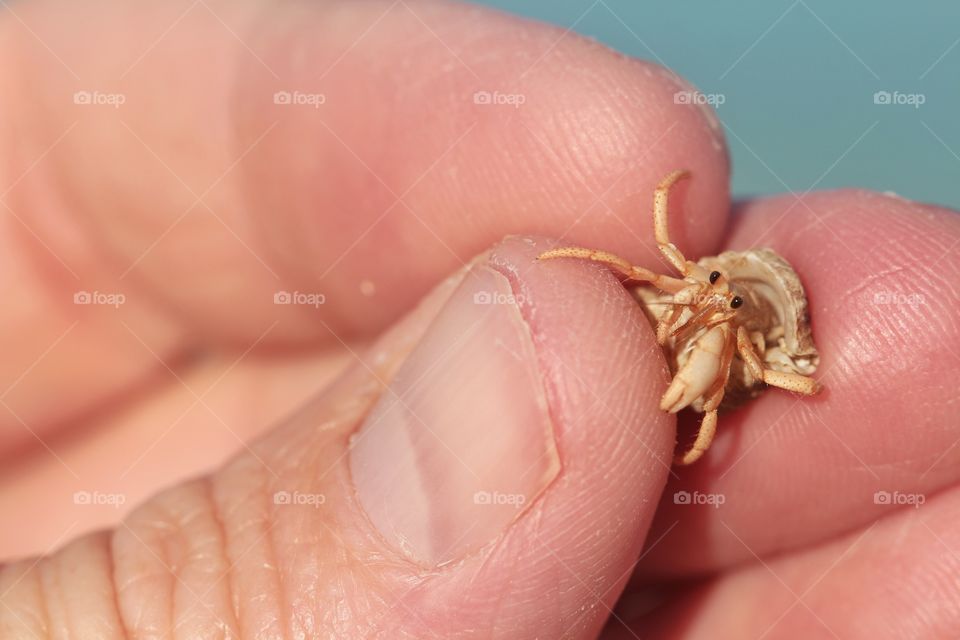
[(879, 272), (297, 198), (164, 437), (70, 594), (219, 553), (896, 578)]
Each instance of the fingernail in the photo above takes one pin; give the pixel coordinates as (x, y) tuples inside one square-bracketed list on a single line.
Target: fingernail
[(461, 443)]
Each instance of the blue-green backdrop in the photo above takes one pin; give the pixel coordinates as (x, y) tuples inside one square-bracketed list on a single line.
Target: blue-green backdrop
[(798, 79)]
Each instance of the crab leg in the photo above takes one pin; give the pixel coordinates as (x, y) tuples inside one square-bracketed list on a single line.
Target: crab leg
[(618, 264), (748, 354), (660, 230), (791, 382), (666, 323), (708, 428), (783, 380), (759, 341)]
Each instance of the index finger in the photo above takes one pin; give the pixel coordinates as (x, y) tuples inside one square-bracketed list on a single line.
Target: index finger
[(197, 167)]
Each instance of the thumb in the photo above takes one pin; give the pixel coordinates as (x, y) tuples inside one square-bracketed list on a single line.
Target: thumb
[(490, 467), (510, 469)]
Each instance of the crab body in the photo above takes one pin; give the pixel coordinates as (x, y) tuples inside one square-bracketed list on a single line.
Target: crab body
[(774, 315), (730, 325)]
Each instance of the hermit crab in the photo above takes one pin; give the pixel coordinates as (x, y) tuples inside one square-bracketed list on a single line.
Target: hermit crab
[(730, 325)]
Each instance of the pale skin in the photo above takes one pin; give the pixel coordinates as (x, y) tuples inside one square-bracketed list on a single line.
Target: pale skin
[(798, 474), (714, 308)]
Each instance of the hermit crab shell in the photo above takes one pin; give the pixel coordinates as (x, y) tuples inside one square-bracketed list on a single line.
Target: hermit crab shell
[(775, 307)]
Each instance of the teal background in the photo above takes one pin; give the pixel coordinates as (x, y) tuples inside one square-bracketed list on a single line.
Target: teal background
[(798, 78)]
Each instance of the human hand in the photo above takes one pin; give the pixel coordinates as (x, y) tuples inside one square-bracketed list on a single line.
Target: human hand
[(534, 386)]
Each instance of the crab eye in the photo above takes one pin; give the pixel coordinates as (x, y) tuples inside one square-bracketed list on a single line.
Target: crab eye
[(736, 303), (714, 276)]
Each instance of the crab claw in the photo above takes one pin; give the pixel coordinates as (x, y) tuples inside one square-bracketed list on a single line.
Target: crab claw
[(697, 373)]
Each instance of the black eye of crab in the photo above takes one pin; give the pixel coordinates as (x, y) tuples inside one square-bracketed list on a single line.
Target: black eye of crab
[(714, 276), (736, 303)]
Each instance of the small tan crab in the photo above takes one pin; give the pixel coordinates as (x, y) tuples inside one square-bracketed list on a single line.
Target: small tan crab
[(731, 324)]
